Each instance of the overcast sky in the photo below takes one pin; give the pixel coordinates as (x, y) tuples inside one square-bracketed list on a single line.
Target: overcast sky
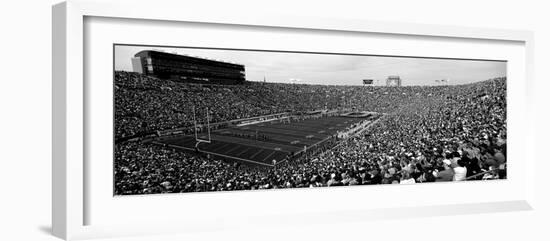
[(335, 69)]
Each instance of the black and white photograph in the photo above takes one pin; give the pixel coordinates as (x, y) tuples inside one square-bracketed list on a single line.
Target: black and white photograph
[(275, 120), (191, 119)]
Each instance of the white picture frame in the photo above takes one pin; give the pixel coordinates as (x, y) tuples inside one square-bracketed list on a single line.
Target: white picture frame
[(70, 190)]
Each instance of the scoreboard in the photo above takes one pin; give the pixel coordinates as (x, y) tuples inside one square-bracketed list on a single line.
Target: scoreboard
[(367, 81)]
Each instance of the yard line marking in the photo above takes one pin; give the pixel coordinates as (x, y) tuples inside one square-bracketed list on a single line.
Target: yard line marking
[(220, 147), (216, 154), (251, 143), (255, 154), (232, 149), (242, 152), (271, 154)]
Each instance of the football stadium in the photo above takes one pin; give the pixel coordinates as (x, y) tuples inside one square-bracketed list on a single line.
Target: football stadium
[(185, 124)]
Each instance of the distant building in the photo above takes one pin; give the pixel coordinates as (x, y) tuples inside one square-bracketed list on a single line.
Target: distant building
[(393, 80), (186, 68)]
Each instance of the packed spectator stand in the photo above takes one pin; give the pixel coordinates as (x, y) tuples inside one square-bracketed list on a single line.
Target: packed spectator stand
[(428, 134)]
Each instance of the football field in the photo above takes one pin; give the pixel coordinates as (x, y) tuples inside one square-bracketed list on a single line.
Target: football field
[(264, 142)]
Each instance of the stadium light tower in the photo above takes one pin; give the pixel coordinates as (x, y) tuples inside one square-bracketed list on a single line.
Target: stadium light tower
[(393, 80)]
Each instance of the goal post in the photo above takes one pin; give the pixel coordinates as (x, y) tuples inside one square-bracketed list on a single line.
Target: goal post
[(196, 127)]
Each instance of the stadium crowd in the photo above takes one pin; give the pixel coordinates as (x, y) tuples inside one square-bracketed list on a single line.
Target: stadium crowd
[(145, 104), (429, 134)]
